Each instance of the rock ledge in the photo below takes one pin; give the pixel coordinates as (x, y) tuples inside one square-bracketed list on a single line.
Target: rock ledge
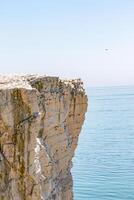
[(40, 121)]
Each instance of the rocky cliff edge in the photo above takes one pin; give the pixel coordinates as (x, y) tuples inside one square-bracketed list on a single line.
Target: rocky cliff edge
[(40, 121)]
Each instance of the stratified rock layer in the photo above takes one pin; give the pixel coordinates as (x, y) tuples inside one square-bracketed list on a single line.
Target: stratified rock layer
[(40, 121)]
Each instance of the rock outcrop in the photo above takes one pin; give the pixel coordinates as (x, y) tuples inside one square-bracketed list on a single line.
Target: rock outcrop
[(40, 121)]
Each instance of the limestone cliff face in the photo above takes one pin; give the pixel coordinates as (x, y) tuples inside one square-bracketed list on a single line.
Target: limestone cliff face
[(40, 121)]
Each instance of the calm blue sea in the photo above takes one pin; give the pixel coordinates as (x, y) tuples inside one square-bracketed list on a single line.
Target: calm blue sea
[(103, 166)]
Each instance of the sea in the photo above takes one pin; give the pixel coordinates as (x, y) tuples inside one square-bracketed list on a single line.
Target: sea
[(103, 165)]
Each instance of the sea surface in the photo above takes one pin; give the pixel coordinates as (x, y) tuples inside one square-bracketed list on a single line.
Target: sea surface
[(103, 166)]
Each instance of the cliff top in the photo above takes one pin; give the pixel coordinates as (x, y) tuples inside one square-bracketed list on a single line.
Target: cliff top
[(26, 81)]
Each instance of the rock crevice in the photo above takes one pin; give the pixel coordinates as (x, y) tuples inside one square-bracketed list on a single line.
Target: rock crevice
[(40, 121)]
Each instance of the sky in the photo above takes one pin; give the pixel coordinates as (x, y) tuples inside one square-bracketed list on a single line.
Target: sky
[(88, 39)]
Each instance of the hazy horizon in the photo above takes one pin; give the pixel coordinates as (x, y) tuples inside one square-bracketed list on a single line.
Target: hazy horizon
[(88, 39)]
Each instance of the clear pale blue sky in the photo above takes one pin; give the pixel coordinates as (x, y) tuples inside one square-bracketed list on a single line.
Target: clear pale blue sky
[(68, 38)]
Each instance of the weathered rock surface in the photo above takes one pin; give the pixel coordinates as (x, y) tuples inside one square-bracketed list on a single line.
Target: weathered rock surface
[(40, 121)]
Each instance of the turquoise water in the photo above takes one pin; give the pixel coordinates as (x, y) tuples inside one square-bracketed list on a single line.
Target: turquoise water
[(103, 166)]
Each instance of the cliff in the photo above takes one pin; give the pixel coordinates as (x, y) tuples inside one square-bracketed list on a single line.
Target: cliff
[(40, 121)]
